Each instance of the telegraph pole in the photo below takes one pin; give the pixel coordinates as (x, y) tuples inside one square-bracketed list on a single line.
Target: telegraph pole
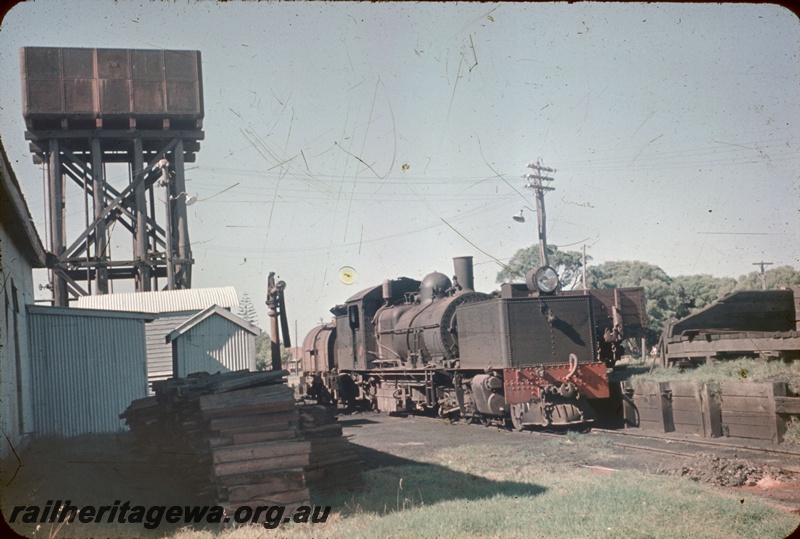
[(535, 182), (763, 274), (583, 266)]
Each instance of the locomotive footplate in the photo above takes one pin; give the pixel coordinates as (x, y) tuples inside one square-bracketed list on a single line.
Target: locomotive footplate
[(526, 383), (553, 395)]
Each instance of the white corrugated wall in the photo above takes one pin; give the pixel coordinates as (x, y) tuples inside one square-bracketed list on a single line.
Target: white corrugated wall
[(215, 345), (16, 289), (159, 351), (87, 368)]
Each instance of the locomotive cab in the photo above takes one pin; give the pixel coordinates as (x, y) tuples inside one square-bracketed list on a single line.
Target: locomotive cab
[(356, 342)]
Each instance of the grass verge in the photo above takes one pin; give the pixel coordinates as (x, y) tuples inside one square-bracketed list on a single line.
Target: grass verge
[(489, 491), (467, 491), (742, 369)]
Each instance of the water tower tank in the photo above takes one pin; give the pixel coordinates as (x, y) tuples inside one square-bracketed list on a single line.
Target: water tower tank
[(111, 88)]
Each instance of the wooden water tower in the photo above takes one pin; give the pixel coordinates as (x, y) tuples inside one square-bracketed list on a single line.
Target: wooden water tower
[(89, 112)]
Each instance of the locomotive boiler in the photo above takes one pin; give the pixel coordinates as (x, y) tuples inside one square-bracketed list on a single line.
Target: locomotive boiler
[(531, 357)]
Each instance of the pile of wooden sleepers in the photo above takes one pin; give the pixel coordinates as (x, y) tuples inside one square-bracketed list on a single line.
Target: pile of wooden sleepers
[(240, 438)]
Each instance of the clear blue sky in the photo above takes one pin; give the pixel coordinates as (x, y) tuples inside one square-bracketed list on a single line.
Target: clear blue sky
[(674, 130)]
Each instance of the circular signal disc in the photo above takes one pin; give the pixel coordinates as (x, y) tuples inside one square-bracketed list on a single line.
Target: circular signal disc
[(347, 275)]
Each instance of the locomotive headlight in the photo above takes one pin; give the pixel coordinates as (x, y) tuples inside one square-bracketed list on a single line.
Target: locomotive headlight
[(546, 280)]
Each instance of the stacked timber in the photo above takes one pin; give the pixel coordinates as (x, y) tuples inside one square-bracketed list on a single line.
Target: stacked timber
[(240, 439), (143, 416), (333, 462), (257, 451)]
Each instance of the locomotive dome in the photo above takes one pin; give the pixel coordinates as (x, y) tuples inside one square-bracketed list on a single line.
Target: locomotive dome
[(434, 285)]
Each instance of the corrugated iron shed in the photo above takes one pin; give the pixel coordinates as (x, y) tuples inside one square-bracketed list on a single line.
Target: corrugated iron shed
[(208, 313), (214, 340), (159, 352), (17, 220), (165, 301), (21, 250), (88, 366)]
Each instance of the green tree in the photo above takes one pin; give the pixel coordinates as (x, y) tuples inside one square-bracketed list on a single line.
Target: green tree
[(567, 264), (247, 310), (693, 292), (776, 278), (667, 297), (264, 353), (624, 273), (656, 283)]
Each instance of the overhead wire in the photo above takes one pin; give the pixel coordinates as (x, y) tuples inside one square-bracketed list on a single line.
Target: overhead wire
[(303, 185)]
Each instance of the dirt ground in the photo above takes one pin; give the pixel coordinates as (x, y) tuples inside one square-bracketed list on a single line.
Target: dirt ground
[(384, 440)]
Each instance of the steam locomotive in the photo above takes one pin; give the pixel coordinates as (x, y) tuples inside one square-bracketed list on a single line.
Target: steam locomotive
[(530, 354)]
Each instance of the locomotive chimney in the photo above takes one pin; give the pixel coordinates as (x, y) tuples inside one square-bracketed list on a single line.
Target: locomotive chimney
[(463, 269)]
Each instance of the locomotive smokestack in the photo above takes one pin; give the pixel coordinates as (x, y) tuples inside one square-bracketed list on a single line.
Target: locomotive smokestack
[(463, 269)]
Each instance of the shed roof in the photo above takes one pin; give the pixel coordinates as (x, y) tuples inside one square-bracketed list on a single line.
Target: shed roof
[(211, 311), (76, 311), (165, 301), (16, 216)]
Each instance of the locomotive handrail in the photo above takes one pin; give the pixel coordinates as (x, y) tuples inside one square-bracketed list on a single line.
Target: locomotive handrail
[(573, 366), (401, 331)]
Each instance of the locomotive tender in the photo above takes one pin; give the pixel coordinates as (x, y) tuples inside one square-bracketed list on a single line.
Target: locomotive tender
[(531, 354)]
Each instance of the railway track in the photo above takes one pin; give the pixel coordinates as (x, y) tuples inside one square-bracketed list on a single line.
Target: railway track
[(785, 459), (675, 445), (737, 446)]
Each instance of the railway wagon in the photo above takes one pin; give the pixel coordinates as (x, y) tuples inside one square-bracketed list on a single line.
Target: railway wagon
[(757, 323)]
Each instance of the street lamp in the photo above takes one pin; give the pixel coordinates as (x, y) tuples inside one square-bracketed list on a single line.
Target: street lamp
[(519, 217), (190, 199)]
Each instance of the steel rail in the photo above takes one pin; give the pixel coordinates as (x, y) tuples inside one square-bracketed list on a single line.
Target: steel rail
[(709, 443)]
